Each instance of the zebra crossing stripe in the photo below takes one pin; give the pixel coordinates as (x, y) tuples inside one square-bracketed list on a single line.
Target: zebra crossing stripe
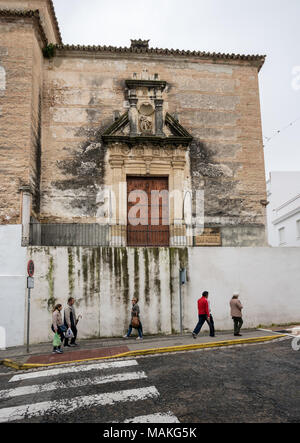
[(38, 389), (67, 406), (60, 371), (154, 418)]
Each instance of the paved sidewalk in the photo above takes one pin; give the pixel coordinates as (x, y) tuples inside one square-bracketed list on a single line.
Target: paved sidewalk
[(99, 348)]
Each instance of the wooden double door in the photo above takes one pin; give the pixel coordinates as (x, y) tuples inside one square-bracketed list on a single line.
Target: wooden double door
[(148, 211)]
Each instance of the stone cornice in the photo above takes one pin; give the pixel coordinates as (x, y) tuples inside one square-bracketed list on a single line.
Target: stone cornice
[(181, 137), (255, 60), (144, 139), (55, 22), (34, 16), (156, 84)]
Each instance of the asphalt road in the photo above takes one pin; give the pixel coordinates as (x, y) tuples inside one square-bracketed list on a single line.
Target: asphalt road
[(257, 383)]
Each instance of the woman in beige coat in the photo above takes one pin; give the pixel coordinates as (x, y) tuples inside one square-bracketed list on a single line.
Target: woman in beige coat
[(58, 327), (236, 314)]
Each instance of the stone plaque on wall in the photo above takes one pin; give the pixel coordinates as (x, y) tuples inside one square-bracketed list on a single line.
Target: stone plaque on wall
[(210, 237)]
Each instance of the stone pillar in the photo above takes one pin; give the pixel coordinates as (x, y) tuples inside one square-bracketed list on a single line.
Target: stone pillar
[(178, 229), (26, 201), (159, 117), (116, 228), (133, 113)]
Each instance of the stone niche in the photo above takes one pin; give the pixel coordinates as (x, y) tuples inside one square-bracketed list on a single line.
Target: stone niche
[(145, 98)]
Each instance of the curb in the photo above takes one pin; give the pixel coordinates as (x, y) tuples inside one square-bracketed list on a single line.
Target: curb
[(19, 367)]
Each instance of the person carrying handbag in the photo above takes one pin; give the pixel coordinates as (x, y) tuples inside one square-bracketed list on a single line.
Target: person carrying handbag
[(58, 328), (135, 320), (70, 321)]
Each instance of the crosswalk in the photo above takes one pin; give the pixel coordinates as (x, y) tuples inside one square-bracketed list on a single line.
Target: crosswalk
[(62, 391)]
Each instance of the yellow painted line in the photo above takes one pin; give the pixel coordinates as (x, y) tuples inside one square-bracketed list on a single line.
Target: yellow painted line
[(17, 366)]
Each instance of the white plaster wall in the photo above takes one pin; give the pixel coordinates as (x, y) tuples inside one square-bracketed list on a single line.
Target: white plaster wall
[(283, 188), (104, 280), (268, 280), (12, 284), (292, 237)]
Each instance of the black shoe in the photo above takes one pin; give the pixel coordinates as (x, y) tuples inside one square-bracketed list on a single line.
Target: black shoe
[(67, 346), (238, 335), (194, 335), (212, 335)]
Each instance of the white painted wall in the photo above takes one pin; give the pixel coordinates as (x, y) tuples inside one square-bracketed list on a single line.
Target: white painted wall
[(268, 280), (283, 210), (12, 284)]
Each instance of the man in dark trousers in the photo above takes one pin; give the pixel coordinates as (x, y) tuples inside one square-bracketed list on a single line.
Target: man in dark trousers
[(236, 314), (70, 321), (204, 315)]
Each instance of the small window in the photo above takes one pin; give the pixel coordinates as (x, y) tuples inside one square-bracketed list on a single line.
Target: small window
[(281, 236), (298, 228)]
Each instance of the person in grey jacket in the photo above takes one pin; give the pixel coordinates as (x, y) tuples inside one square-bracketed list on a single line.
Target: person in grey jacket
[(135, 312), (236, 314), (70, 321)]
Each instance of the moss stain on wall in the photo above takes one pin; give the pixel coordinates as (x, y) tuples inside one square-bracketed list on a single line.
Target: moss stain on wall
[(85, 273), (108, 257), (71, 271), (156, 258), (98, 265), (50, 278), (183, 254), (173, 258), (125, 276), (136, 274), (147, 276), (125, 283), (92, 260)]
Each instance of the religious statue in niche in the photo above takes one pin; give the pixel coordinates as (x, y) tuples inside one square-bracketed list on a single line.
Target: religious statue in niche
[(145, 124), (146, 110)]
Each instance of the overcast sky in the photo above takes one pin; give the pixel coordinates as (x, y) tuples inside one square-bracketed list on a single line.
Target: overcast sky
[(268, 27)]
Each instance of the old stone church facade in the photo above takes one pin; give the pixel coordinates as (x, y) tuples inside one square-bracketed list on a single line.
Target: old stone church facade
[(76, 121)]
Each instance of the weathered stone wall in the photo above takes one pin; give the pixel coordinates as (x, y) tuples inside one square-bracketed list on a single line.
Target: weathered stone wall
[(104, 280), (44, 8), (55, 111), (218, 103), (21, 66)]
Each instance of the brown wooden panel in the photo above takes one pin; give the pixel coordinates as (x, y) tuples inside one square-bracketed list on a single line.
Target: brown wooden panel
[(152, 230)]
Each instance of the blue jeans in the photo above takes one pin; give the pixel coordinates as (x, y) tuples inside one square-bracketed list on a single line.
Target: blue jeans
[(202, 320), (140, 330)]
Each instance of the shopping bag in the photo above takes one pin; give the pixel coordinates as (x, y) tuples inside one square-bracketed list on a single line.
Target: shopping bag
[(135, 323), (69, 333), (56, 340)]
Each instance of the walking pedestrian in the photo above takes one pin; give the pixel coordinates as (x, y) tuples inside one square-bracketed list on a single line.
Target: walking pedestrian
[(70, 321), (58, 327), (236, 314), (135, 320), (204, 315), (211, 322)]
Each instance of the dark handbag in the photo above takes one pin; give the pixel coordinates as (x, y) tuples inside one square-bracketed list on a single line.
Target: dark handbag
[(63, 328), (135, 322)]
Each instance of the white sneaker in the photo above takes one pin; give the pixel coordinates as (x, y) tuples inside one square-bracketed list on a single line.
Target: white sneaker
[(140, 338), (125, 336)]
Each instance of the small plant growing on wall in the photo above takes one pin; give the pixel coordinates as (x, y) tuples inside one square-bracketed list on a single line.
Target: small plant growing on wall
[(49, 51)]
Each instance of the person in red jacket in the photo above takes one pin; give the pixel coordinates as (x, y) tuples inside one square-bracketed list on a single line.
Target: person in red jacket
[(204, 314)]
